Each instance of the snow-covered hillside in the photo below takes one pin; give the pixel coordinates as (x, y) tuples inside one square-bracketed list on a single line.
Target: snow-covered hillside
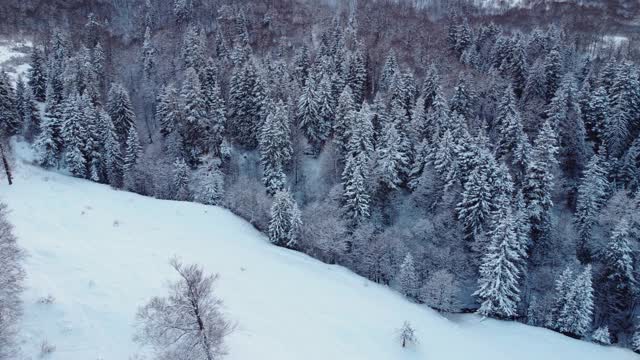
[(100, 253), (14, 57)]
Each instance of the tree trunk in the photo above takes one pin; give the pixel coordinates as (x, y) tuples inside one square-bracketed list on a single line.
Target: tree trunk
[(7, 169)]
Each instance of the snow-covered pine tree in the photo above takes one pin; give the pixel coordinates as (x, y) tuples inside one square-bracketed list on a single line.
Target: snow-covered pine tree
[(392, 161), (445, 162), (592, 193), (215, 109), (31, 117), (181, 175), (619, 274), (246, 105), (601, 336), (635, 341), (211, 189), (285, 224), (121, 111), (389, 71), (37, 78), (407, 279), (344, 117), (193, 49), (194, 118), (9, 118), (576, 313), (168, 110), (356, 196), (539, 183), (74, 135), (133, 151), (430, 87), (275, 149), (308, 115), (474, 210), (463, 99), (499, 273), (596, 109), (357, 75), (113, 158), (46, 147), (552, 73)]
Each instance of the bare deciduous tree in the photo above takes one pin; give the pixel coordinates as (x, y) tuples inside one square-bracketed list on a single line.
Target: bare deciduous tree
[(188, 322), (407, 334)]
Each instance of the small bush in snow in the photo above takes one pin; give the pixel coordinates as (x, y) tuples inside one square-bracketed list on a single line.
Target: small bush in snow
[(46, 348), (601, 336), (47, 300), (407, 335)]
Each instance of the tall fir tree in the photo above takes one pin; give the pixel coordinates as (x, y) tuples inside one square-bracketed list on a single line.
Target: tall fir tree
[(133, 152), (275, 149), (37, 78), (286, 223)]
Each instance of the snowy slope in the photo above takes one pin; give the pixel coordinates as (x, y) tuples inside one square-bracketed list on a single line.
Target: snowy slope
[(100, 253), (14, 57)]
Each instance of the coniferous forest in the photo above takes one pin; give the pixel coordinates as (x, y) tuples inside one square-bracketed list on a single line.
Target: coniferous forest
[(475, 160)]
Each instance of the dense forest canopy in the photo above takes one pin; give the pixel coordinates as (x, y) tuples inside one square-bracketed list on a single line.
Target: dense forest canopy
[(473, 159)]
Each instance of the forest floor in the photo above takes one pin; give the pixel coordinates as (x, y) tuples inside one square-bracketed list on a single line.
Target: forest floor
[(96, 254)]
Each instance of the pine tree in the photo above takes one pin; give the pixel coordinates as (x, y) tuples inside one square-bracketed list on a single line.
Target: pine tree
[(592, 194), (181, 175), (275, 149), (408, 278), (463, 99), (9, 117), (246, 105), (308, 115), (389, 71), (635, 341), (616, 132), (601, 336), (37, 78), (345, 113), (356, 196), (552, 72), (357, 75), (31, 115), (539, 181), (132, 156), (562, 286), (121, 111), (113, 152), (392, 161), (445, 162), (168, 111), (74, 134), (576, 314), (430, 87), (512, 140), (193, 48), (194, 118), (211, 190), (619, 273), (596, 111), (499, 272), (285, 224), (474, 210), (215, 109)]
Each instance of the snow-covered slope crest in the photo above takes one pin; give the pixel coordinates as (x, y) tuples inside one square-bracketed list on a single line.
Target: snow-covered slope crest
[(97, 254)]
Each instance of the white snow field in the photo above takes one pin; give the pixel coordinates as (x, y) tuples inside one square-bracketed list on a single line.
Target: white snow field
[(101, 253)]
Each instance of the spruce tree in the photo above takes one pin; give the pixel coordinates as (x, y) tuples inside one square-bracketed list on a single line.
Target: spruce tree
[(407, 279), (31, 116), (168, 110), (113, 152), (121, 111), (74, 135), (275, 149), (9, 117), (356, 196), (37, 78), (194, 117), (392, 161), (285, 224), (592, 193), (148, 55), (246, 105), (345, 113), (181, 175), (463, 100), (133, 151)]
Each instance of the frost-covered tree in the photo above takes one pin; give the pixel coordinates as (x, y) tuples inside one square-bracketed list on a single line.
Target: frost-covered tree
[(389, 71), (576, 312), (309, 117), (286, 223), (499, 273), (113, 158), (246, 105), (356, 196), (121, 111), (407, 335), (601, 336), (392, 160), (619, 273), (74, 134), (211, 189), (275, 149), (474, 209), (168, 111), (9, 117), (344, 117), (441, 291), (194, 127), (148, 55), (133, 152), (592, 193), (31, 116), (188, 322), (463, 99), (181, 177), (407, 279), (37, 78)]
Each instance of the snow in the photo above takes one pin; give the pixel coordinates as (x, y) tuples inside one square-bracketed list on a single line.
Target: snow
[(14, 57), (101, 253)]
